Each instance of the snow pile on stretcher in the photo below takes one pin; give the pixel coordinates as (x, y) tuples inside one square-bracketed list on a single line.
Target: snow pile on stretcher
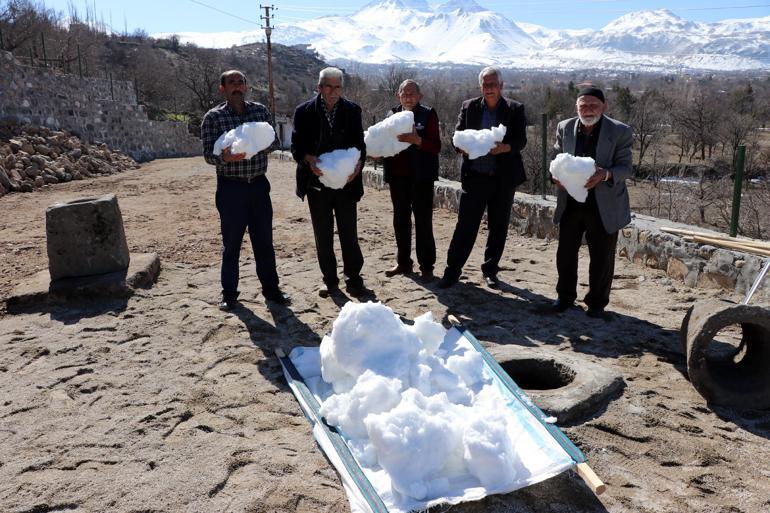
[(573, 173), (477, 143), (381, 139), (419, 412), (337, 166), (249, 138)]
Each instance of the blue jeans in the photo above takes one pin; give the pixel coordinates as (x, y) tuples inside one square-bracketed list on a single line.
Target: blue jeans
[(244, 205)]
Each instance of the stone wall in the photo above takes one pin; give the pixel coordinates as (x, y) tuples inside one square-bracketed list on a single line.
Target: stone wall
[(642, 242), (91, 108)]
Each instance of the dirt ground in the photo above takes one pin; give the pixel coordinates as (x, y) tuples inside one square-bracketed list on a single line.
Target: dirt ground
[(162, 403)]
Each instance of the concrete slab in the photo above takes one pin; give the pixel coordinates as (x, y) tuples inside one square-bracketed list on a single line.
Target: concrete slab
[(583, 388), (142, 272)]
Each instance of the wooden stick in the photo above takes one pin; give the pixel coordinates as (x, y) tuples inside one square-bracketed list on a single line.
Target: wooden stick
[(737, 245), (764, 245), (679, 231), (590, 478)]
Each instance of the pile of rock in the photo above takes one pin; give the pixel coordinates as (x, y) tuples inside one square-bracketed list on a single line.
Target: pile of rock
[(33, 156)]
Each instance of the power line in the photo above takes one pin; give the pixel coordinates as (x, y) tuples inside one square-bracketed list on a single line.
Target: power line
[(224, 12)]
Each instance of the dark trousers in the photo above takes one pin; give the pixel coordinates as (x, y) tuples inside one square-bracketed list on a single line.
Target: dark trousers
[(601, 249), (244, 205), (482, 192), (326, 205), (409, 197)]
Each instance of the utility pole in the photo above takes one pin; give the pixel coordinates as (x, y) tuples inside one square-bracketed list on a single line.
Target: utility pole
[(268, 32)]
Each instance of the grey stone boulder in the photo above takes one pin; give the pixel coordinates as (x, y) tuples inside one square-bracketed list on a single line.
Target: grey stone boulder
[(86, 237)]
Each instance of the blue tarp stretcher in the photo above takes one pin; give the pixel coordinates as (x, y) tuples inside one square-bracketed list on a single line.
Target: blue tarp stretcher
[(365, 488)]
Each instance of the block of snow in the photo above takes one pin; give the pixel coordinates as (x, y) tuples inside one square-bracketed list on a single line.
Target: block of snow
[(337, 166), (477, 143), (382, 138), (425, 419), (573, 173), (249, 138)]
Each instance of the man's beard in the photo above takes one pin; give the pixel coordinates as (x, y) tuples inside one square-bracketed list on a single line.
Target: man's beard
[(589, 120)]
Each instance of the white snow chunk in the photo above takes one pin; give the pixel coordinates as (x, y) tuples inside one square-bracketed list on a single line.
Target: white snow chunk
[(477, 143), (337, 166), (356, 344), (381, 138), (249, 138), (573, 173), (421, 413)]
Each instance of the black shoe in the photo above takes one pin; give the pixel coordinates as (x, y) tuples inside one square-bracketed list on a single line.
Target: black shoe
[(562, 305), (491, 281), (327, 290), (399, 269), (446, 282), (356, 289), (276, 296), (228, 305), (599, 313), (426, 276)]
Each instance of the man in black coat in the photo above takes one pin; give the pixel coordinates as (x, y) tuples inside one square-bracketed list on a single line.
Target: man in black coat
[(488, 182), (410, 175), (322, 124)]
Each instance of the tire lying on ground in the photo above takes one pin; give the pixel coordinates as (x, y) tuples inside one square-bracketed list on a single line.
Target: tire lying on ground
[(740, 379)]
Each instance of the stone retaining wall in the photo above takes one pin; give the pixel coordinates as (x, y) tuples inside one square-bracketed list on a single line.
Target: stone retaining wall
[(642, 242), (90, 108)]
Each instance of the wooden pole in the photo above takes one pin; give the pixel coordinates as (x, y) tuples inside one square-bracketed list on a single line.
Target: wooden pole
[(590, 478), (544, 138), (45, 55), (738, 185), (268, 33), (717, 237), (729, 245)]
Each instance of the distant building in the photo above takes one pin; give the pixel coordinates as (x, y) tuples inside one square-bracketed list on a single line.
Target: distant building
[(283, 127)]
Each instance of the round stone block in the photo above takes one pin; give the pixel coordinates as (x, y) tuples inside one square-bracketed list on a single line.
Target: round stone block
[(85, 237), (568, 387), (732, 376)]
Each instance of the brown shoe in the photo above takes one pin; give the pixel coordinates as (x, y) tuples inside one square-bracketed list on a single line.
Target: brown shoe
[(399, 269)]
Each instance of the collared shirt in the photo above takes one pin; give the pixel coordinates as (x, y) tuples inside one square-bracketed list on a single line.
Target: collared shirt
[(222, 118), (585, 146), (329, 113), (485, 164)]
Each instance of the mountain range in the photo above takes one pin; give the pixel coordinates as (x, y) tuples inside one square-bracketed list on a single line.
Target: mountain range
[(463, 32)]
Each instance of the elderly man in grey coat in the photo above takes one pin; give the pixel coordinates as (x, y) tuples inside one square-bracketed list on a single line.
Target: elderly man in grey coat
[(606, 209)]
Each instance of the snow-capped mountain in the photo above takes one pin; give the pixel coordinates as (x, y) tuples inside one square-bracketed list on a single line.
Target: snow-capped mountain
[(463, 32)]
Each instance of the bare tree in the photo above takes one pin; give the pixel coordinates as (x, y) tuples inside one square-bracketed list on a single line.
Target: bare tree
[(647, 121), (22, 22), (200, 76)]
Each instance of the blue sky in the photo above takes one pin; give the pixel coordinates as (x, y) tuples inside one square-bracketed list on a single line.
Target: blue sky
[(216, 16)]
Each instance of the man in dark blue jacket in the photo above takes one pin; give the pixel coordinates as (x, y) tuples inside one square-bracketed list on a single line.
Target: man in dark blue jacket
[(322, 124), (410, 175), (488, 182)]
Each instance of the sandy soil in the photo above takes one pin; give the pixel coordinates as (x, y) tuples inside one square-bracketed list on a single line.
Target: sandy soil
[(164, 403)]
